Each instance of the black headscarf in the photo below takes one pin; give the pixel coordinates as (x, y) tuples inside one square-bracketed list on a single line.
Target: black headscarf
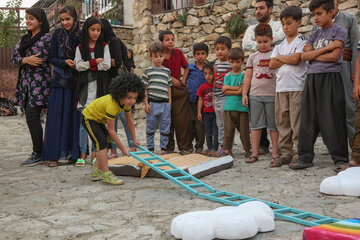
[(118, 49), (28, 40), (68, 40), (101, 77)]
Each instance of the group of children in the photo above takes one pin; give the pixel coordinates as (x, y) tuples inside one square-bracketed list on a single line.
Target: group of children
[(295, 90), (277, 91)]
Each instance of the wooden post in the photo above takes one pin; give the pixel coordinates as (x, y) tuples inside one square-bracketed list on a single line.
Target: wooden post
[(18, 23)]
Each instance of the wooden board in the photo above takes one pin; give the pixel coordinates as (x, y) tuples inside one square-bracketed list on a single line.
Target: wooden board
[(196, 164)]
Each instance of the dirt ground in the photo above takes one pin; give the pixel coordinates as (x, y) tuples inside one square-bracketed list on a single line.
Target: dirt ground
[(63, 203)]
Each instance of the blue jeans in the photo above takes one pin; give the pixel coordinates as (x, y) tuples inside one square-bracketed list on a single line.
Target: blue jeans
[(128, 136), (160, 113), (84, 138), (211, 131)]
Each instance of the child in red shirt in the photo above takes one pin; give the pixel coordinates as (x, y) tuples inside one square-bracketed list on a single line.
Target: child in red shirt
[(206, 111), (180, 109)]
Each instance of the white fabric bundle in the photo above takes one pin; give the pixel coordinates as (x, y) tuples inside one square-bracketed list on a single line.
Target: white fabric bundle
[(240, 222)]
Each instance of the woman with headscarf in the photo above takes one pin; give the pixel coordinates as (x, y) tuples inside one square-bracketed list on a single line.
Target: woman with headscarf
[(32, 90), (120, 63), (63, 120), (93, 61)]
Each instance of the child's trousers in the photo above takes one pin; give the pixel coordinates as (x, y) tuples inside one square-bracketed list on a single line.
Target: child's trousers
[(323, 110), (160, 113), (240, 121), (287, 116), (211, 131), (197, 130), (219, 111), (180, 119)]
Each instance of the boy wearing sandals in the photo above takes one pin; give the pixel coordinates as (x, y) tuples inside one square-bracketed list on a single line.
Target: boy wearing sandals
[(235, 114), (290, 81), (262, 93), (323, 104)]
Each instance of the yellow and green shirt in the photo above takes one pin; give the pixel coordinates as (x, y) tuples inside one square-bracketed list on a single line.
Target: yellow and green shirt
[(104, 108)]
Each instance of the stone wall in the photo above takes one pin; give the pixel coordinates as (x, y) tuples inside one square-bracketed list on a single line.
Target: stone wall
[(201, 27), (125, 34)]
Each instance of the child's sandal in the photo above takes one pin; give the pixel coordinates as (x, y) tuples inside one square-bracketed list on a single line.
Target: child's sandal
[(279, 161), (52, 164), (252, 159), (80, 163)]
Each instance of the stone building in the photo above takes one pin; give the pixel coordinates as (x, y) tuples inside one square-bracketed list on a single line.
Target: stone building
[(205, 26)]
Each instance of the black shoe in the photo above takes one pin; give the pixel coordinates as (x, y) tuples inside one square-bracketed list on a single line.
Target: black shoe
[(301, 165), (32, 160)]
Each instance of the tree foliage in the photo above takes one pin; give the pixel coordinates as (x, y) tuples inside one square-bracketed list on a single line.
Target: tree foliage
[(9, 20)]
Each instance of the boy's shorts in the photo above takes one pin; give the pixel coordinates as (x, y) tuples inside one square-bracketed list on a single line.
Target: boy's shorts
[(97, 132), (262, 112)]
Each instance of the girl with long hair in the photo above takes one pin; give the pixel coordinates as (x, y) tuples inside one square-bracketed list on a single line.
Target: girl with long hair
[(32, 90), (63, 119)]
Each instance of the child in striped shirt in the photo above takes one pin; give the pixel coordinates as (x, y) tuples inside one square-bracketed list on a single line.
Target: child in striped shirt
[(221, 68), (157, 80)]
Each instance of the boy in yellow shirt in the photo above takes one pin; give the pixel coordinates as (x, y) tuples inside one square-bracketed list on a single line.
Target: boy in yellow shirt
[(126, 90)]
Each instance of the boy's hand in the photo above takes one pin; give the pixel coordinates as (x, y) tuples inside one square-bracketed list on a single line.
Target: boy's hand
[(125, 151), (147, 108), (224, 88), (176, 82), (199, 117), (136, 142), (356, 93), (169, 103), (245, 101), (99, 60), (347, 55), (336, 44), (307, 48)]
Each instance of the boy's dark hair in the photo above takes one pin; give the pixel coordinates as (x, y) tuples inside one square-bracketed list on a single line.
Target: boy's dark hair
[(327, 5), (200, 47), (269, 3), (292, 11), (263, 29), (163, 33), (124, 83), (156, 47), (209, 66), (236, 54), (223, 40)]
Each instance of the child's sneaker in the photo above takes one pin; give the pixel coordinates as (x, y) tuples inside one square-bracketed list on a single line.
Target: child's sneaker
[(109, 178), (96, 173)]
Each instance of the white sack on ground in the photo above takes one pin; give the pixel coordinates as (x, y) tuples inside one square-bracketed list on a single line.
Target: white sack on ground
[(240, 222)]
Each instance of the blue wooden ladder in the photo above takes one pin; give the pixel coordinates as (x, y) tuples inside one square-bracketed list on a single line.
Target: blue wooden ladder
[(201, 189)]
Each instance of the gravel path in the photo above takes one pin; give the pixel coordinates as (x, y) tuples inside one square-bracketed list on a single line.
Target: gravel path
[(62, 203)]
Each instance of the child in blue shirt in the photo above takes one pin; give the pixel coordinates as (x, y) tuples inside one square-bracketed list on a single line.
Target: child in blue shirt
[(194, 80)]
